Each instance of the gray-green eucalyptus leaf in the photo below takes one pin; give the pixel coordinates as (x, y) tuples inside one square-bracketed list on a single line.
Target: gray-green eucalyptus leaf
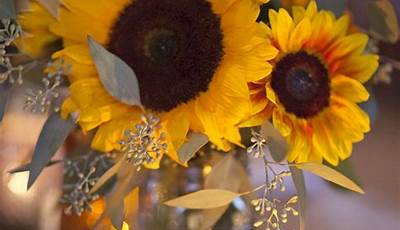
[(51, 5), (27, 167), (192, 146), (299, 183), (52, 136), (116, 76), (7, 9), (275, 141)]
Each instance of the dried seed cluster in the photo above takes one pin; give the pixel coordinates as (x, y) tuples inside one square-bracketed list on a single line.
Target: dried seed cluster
[(145, 144)]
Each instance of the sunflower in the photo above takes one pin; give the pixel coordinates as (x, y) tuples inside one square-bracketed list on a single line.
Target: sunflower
[(192, 58), (316, 83)]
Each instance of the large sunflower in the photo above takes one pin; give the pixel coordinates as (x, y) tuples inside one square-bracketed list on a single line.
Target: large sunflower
[(193, 59), (316, 83)]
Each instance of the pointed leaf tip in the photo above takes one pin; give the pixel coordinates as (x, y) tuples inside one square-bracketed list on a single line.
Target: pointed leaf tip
[(331, 175), (27, 167), (117, 77), (194, 143), (52, 136), (52, 6)]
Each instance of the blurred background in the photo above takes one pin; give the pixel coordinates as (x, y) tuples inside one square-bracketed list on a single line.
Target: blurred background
[(375, 163)]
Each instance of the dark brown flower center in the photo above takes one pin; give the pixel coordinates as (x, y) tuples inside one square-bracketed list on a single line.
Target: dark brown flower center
[(161, 45), (174, 47), (302, 84)]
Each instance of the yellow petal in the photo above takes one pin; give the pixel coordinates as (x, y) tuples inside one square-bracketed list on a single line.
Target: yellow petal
[(284, 28), (360, 68), (210, 123), (271, 94), (108, 135), (241, 14), (323, 144), (220, 6), (298, 13), (100, 10), (351, 45), (312, 9), (281, 123), (341, 26), (300, 35), (177, 129), (321, 36), (355, 118), (273, 21), (349, 88), (78, 53), (232, 134), (78, 28), (299, 144), (337, 137), (68, 107)]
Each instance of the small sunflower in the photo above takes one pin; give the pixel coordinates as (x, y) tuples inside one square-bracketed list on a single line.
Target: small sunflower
[(316, 83), (192, 58)]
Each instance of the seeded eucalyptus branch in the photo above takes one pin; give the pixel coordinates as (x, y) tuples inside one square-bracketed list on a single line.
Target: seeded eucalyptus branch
[(80, 175), (144, 144), (273, 211), (9, 31), (46, 98)]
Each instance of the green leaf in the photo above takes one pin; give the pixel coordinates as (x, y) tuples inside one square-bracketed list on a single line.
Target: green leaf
[(204, 199), (116, 76), (52, 136), (192, 146), (7, 9), (5, 88), (383, 23), (27, 167), (299, 183), (331, 175), (275, 141)]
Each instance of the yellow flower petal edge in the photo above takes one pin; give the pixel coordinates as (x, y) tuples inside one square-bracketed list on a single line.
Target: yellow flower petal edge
[(37, 38)]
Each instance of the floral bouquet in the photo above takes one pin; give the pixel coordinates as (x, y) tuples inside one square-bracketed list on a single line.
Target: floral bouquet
[(182, 94)]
